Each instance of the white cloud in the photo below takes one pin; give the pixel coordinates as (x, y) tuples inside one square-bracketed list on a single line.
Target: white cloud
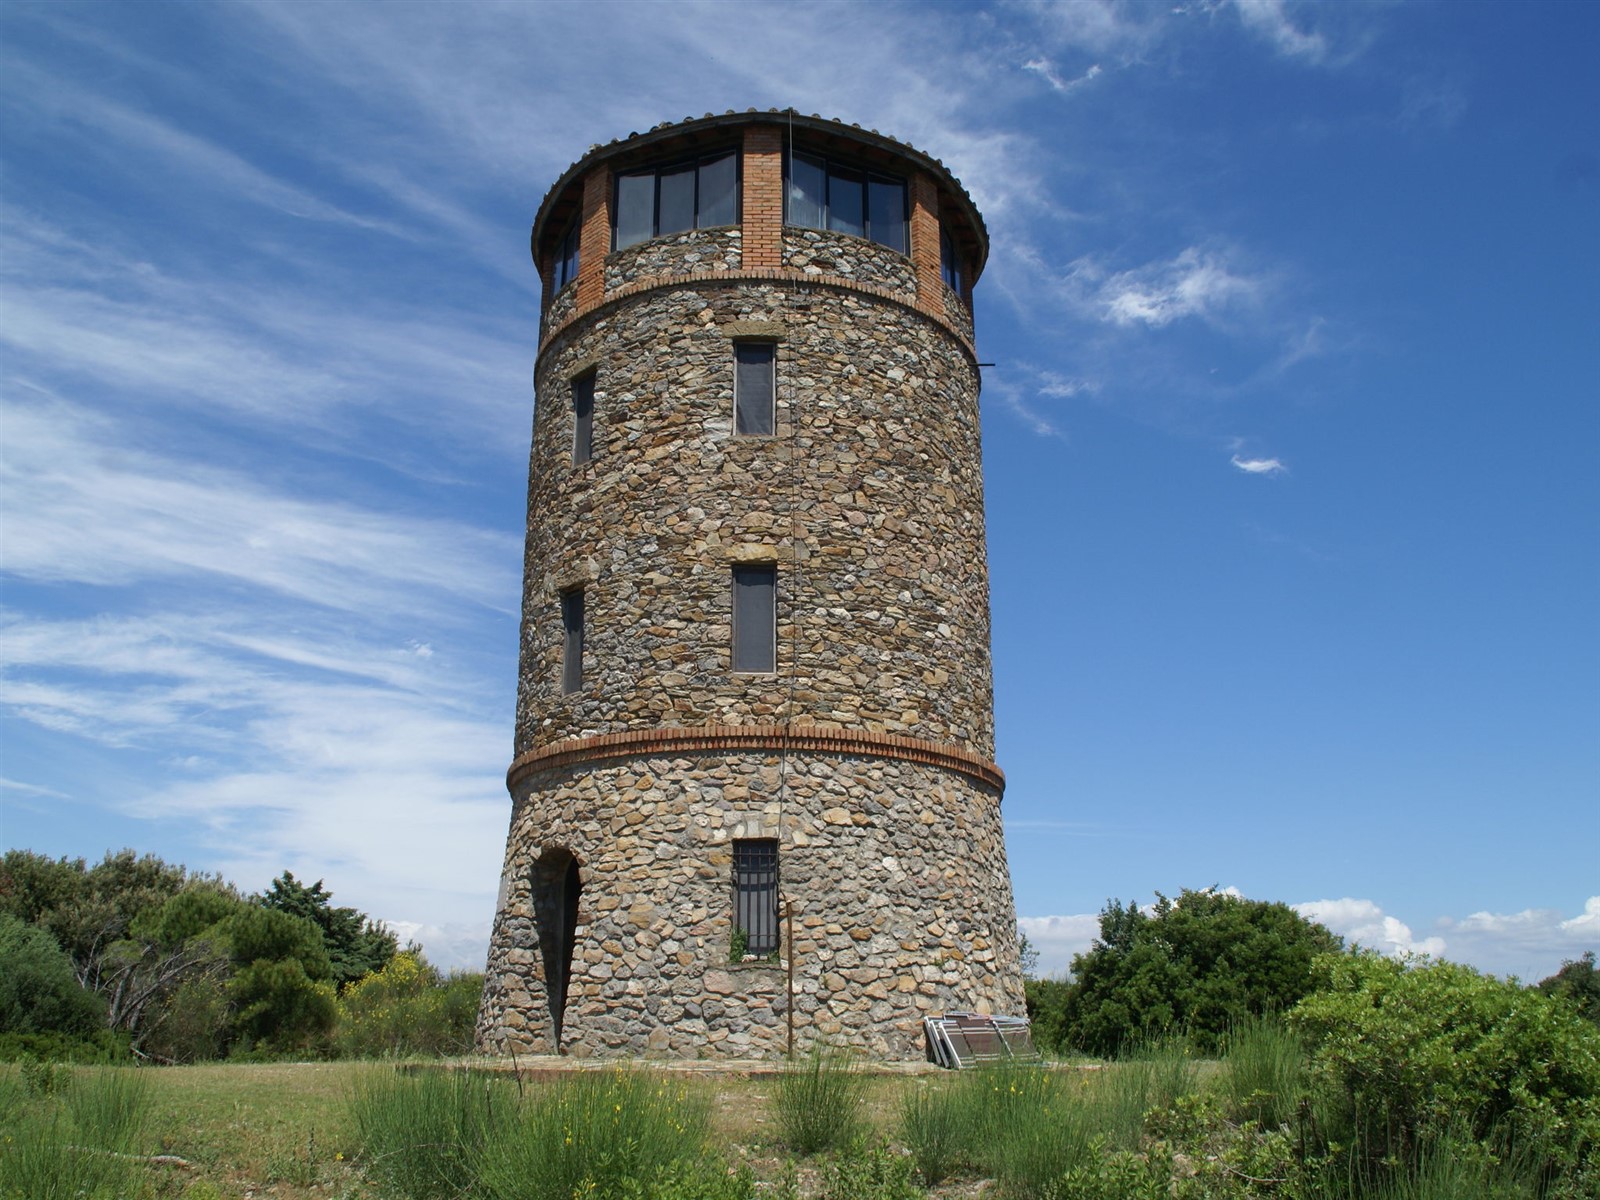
[(1046, 70), (63, 472), (1059, 938), (1259, 466), (1270, 19), (1364, 923), (1196, 283)]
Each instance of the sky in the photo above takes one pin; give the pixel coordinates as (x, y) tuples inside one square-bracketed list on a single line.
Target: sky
[(1290, 442)]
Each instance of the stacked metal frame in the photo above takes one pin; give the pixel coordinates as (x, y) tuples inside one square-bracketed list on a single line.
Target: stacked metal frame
[(958, 1040)]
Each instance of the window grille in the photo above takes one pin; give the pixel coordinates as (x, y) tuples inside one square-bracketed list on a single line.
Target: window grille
[(755, 893), (755, 619), (583, 419), (753, 388)]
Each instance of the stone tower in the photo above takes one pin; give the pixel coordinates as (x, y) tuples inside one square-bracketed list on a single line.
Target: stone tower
[(754, 801)]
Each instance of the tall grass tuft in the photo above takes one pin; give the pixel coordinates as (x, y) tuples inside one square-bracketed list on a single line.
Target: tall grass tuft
[(1151, 1075), (1264, 1072), (422, 1133), (937, 1129), (599, 1135), (819, 1100), (76, 1144)]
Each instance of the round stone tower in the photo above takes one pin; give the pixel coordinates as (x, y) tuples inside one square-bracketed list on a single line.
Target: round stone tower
[(754, 801)]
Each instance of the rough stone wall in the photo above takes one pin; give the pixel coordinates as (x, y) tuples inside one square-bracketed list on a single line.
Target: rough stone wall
[(956, 310), (561, 306), (716, 249), (869, 499), (823, 252), (896, 873)]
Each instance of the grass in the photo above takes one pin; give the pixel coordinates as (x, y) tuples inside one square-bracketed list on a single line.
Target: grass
[(819, 1100)]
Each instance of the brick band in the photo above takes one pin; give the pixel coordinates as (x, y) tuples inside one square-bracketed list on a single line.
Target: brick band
[(717, 739)]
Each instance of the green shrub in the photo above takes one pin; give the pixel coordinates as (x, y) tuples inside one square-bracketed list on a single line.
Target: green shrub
[(39, 991), (1047, 1013), (819, 1100), (1404, 1050), (423, 1133), (596, 1134), (869, 1171), (408, 1008)]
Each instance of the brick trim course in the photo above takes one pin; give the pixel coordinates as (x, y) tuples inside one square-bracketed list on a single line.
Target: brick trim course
[(717, 739)]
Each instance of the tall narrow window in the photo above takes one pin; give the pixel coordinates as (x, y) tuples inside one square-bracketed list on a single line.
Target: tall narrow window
[(572, 641), (755, 893), (753, 388), (583, 418), (949, 261), (755, 618), (567, 256)]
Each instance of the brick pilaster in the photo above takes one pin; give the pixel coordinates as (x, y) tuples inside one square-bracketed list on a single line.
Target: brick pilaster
[(925, 244), (594, 242), (763, 196)]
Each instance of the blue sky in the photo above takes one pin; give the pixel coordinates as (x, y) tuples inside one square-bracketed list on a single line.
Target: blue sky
[(1290, 447)]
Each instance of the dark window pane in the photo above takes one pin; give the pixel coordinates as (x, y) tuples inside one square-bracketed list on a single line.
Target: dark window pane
[(806, 192), (755, 594), (755, 893), (677, 201), (886, 213), (567, 266), (583, 419), (752, 388), (636, 208), (845, 201), (949, 261), (719, 191), (571, 641)]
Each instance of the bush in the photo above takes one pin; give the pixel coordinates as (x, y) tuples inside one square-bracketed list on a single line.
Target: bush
[(39, 991), (1194, 965), (1404, 1052), (819, 1101), (408, 1008)]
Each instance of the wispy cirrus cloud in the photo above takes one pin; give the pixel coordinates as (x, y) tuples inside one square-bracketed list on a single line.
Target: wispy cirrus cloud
[(1198, 283), (1270, 19), (1046, 70), (1259, 466)]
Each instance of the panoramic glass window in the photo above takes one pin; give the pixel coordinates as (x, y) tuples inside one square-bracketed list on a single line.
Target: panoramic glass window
[(821, 194), (696, 194)]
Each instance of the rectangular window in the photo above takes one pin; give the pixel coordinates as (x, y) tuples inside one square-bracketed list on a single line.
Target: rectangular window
[(755, 893), (567, 257), (696, 194), (572, 641), (753, 388), (582, 418), (755, 619), (949, 261), (821, 194)]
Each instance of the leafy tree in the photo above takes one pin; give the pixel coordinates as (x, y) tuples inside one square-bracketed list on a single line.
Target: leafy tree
[(1194, 965), (1579, 982), (1405, 1052), (39, 991), (355, 944), (281, 988)]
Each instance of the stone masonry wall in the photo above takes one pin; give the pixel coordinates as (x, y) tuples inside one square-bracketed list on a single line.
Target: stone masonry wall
[(869, 499), (823, 252), (676, 254), (896, 872)]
